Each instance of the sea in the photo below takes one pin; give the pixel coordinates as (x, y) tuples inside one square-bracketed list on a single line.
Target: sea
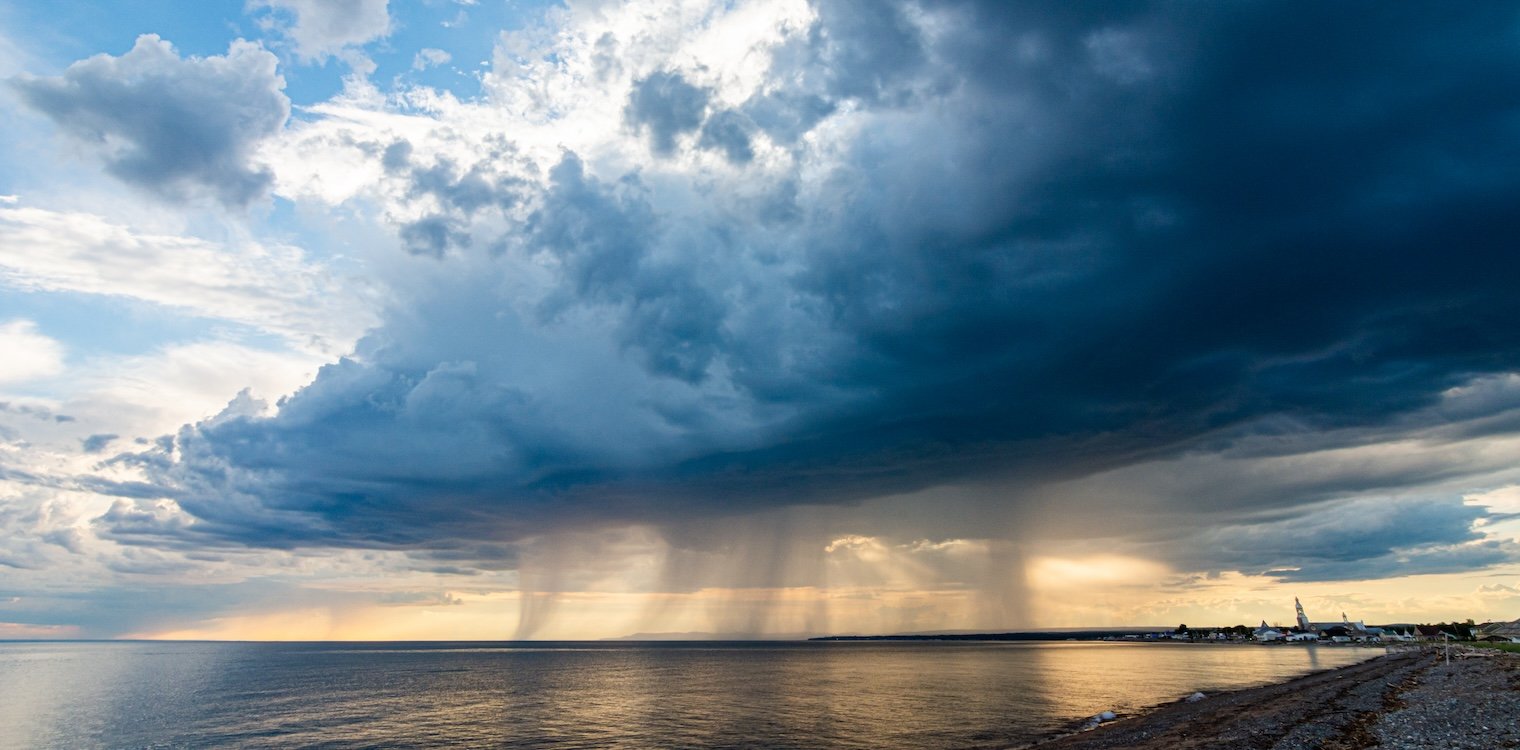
[(875, 694)]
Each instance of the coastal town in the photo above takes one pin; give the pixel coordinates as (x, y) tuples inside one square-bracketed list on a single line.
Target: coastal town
[(1400, 699), (1344, 630)]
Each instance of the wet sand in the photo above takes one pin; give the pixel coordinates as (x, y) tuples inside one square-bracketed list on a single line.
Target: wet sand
[(1406, 700)]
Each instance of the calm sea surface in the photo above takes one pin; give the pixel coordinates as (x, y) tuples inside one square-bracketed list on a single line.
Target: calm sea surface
[(601, 695)]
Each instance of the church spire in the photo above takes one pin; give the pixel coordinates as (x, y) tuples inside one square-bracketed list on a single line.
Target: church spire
[(1303, 619)]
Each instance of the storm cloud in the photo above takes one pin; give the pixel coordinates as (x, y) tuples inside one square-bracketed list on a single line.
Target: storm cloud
[(1006, 243), (666, 105)]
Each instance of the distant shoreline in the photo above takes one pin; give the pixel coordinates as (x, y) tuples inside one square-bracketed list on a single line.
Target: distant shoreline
[(1023, 635), (1103, 636)]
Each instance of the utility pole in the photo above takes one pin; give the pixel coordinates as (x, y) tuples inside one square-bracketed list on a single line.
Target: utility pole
[(1445, 636)]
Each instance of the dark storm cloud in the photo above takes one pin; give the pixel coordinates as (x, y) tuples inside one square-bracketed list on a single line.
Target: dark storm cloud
[(786, 117), (729, 132), (1420, 561), (1077, 237), (665, 105), (602, 235), (432, 235), (468, 192), (173, 125), (865, 49), (455, 194), (1349, 540)]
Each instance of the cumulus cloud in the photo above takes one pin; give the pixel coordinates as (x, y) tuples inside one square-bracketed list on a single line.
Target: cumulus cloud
[(319, 29), (29, 355), (430, 58), (432, 235), (175, 126), (729, 131), (946, 261), (667, 106)]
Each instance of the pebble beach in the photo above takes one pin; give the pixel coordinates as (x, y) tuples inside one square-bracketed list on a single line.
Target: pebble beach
[(1407, 700)]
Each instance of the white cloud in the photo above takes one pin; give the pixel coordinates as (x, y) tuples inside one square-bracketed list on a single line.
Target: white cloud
[(29, 355), (430, 58), (274, 288), (136, 397), (1501, 500), (548, 91), (153, 393), (322, 28)]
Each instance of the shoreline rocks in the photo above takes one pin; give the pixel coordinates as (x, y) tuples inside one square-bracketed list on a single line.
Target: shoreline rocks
[(1407, 700)]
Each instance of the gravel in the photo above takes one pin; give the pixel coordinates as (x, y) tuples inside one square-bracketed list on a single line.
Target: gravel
[(1471, 704), (1409, 700)]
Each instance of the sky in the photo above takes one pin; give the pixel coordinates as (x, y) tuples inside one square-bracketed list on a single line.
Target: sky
[(481, 319)]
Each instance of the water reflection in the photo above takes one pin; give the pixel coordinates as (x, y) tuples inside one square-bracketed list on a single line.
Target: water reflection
[(844, 695)]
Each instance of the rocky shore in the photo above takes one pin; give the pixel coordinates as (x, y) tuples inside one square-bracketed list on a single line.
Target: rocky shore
[(1410, 700)]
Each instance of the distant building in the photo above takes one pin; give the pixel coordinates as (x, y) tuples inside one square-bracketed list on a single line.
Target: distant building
[(1303, 619), (1345, 631), (1499, 632), (1266, 633), (1432, 633)]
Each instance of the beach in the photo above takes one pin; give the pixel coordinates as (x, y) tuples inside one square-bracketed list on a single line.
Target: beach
[(1405, 700)]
